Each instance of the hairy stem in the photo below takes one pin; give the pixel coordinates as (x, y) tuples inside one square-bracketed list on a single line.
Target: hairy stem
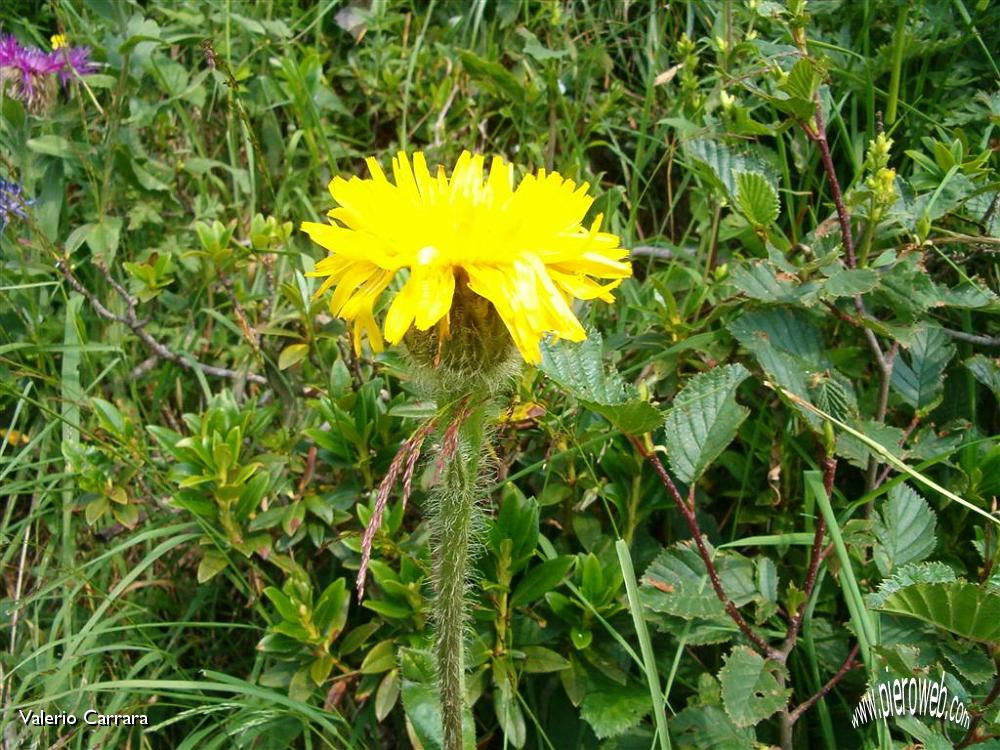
[(452, 525)]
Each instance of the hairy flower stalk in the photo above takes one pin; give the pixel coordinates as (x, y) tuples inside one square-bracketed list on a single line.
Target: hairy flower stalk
[(485, 271)]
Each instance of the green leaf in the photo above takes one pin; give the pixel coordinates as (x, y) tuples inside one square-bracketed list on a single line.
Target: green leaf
[(909, 575), (904, 529), (803, 80), (541, 579), (986, 371), (387, 694), (761, 281), (330, 612), (703, 420), (709, 726), (788, 347), (509, 714), (920, 381), (51, 145), (849, 282), (965, 609), (103, 239), (676, 582), (212, 563), (723, 165), (750, 690), (517, 521), (381, 658), (291, 355), (756, 198), (579, 369), (613, 709), (538, 659)]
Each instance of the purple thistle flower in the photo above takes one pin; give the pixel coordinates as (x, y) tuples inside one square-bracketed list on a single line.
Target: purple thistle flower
[(28, 72), (73, 60), (12, 203)]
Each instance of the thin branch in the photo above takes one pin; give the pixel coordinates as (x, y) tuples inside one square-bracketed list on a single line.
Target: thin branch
[(713, 574), (846, 667), (132, 321), (818, 136), (973, 338)]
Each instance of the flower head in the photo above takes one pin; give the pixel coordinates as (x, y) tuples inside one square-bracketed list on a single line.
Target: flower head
[(12, 203), (58, 41), (524, 250), (27, 73)]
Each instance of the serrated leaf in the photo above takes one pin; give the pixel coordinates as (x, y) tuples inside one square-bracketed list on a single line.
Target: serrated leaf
[(750, 691), (703, 420), (676, 582), (614, 709), (972, 663), (756, 198), (723, 164), (761, 281), (919, 381), (803, 80), (579, 369), (904, 529), (709, 726), (909, 575), (965, 609), (788, 347), (849, 282)]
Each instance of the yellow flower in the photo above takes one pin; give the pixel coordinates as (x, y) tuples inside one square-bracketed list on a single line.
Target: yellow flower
[(59, 41), (523, 249)]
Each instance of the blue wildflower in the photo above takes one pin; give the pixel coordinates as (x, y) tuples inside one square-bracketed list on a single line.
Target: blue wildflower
[(12, 203)]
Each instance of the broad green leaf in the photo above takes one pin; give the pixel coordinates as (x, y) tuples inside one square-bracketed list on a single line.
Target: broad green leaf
[(676, 582), (291, 355), (904, 529), (541, 579), (986, 371), (331, 609), (788, 347), (750, 691), (710, 727), (538, 659), (212, 563), (762, 281), (965, 609), (52, 145), (919, 381), (103, 239), (613, 709), (703, 420), (848, 282), (971, 662), (756, 198), (910, 575), (580, 370), (803, 80), (723, 164)]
